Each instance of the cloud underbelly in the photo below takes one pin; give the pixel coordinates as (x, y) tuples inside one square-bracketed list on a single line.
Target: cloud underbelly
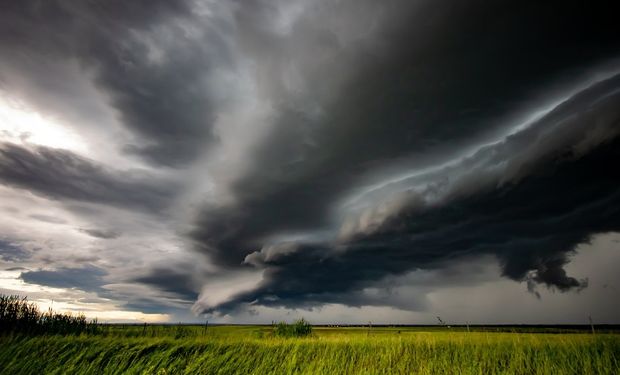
[(528, 200)]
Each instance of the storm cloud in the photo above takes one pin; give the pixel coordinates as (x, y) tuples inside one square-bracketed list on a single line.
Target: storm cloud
[(88, 278), (152, 67), (416, 92), (260, 154), (287, 217), (60, 174)]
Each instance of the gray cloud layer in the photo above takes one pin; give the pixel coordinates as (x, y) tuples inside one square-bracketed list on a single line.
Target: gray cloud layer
[(89, 278), (10, 252), (60, 174), (330, 145), (147, 57)]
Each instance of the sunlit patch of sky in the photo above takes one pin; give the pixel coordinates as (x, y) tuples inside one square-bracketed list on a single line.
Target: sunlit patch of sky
[(23, 125)]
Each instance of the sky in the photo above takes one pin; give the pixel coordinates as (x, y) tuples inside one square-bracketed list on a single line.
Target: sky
[(344, 161)]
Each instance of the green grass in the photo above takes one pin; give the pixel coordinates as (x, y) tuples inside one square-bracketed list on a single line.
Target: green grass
[(255, 350)]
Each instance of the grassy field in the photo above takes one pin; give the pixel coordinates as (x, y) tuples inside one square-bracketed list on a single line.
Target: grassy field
[(254, 350)]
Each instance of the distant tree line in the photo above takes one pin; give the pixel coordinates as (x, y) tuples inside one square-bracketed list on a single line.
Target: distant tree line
[(17, 315)]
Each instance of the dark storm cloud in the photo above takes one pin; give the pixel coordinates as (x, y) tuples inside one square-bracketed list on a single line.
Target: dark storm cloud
[(529, 200), (149, 58), (178, 283), (157, 306), (533, 234), (63, 175), (431, 77), (88, 279), (376, 138)]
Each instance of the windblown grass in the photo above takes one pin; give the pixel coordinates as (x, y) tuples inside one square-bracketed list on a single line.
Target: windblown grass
[(32, 342), (255, 350), (300, 328)]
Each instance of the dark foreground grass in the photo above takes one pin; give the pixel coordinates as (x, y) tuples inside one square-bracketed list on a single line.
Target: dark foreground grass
[(18, 316), (253, 350)]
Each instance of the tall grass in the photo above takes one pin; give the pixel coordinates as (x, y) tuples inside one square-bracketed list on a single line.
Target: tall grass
[(18, 316), (73, 348), (299, 328), (231, 350)]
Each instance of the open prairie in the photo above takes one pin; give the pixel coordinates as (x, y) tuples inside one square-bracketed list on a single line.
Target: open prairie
[(328, 350)]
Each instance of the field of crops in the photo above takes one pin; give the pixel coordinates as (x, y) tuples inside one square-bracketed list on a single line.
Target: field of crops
[(254, 350)]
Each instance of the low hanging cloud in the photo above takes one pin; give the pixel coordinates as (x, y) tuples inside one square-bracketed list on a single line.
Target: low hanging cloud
[(176, 282), (536, 176)]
